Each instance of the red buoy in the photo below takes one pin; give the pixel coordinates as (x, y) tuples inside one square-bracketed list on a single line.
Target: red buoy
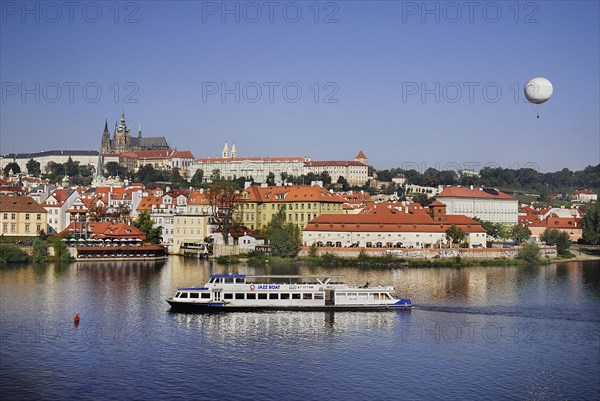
[(76, 319)]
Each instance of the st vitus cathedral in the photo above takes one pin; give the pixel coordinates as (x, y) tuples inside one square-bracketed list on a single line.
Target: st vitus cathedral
[(123, 142)]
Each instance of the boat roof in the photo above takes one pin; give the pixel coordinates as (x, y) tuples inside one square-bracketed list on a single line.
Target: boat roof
[(273, 276)]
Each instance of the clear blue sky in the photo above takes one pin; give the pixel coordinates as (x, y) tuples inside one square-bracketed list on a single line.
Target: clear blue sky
[(382, 62)]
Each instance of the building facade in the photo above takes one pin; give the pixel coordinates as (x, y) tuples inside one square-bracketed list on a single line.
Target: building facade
[(122, 141), (484, 203), (302, 203), (21, 216)]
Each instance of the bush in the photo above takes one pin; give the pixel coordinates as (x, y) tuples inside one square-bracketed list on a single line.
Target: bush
[(13, 254), (61, 253), (40, 251), (530, 253)]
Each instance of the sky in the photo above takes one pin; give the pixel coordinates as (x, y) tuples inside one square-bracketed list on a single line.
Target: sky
[(413, 84)]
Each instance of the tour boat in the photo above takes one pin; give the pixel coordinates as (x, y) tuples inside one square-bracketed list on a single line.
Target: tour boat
[(244, 292)]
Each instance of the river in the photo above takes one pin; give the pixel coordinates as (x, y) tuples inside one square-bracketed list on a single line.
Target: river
[(475, 333)]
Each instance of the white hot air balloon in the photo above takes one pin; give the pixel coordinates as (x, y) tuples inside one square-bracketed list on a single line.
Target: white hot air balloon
[(538, 90)]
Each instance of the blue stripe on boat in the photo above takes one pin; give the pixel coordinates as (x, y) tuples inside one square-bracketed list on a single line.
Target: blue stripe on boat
[(228, 275), (193, 289)]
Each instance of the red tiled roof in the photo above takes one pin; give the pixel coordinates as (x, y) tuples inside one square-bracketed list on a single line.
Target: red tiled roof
[(557, 222), (183, 154), (20, 204), (283, 194), (466, 192), (360, 155), (241, 159), (333, 163), (107, 230), (147, 202), (390, 221)]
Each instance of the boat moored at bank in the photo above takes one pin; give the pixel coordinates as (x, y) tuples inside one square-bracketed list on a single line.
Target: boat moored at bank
[(284, 292)]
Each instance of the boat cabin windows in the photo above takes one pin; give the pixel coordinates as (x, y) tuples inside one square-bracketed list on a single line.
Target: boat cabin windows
[(177, 295), (194, 295), (205, 295), (262, 295), (229, 280), (183, 295), (285, 296), (295, 296), (251, 295), (273, 295), (307, 295), (239, 295), (227, 295), (318, 295)]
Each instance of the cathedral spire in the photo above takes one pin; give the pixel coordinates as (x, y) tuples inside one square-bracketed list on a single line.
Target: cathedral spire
[(106, 126), (226, 151), (140, 131), (233, 152)]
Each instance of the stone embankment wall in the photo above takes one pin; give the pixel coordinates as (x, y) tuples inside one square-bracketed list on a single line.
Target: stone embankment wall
[(486, 253)]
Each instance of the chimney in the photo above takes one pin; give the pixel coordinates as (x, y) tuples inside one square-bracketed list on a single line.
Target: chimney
[(471, 187)]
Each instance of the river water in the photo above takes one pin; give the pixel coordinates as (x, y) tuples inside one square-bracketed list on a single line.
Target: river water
[(494, 333)]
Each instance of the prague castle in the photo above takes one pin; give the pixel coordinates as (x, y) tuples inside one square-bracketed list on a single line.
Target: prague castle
[(123, 142)]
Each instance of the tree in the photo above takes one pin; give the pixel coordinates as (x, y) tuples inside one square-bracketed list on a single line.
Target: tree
[(519, 233), (71, 167), (591, 225), (33, 168), (12, 166), (491, 229), (504, 231), (224, 200), (271, 179), (552, 236), (342, 180), (197, 177), (40, 250), (148, 174), (97, 212), (114, 169), (283, 236), (326, 178), (455, 235), (530, 253), (61, 252), (145, 224), (422, 199)]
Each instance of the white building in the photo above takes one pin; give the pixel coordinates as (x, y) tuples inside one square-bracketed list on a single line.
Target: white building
[(584, 196), (84, 157), (484, 203), (57, 204), (390, 228)]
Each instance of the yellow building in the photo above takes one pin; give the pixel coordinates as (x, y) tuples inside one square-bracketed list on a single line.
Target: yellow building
[(22, 216), (302, 203), (189, 230)]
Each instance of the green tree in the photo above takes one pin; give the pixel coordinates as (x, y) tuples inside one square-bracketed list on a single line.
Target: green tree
[(12, 166), (145, 224), (530, 253), (271, 179), (33, 168), (61, 253), (283, 236), (552, 236), (591, 225), (504, 231), (422, 199), (40, 250), (216, 175), (197, 177), (71, 167), (342, 180), (113, 169), (455, 235), (519, 233)]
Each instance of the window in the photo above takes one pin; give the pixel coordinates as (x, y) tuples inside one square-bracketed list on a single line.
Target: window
[(307, 295), (285, 296), (318, 295), (194, 295), (5, 216), (183, 295), (13, 216), (295, 296), (227, 295), (239, 295), (205, 295), (251, 295), (27, 228), (26, 216), (262, 295), (273, 295)]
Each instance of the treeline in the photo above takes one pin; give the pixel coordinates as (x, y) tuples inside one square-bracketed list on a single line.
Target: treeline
[(520, 180)]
